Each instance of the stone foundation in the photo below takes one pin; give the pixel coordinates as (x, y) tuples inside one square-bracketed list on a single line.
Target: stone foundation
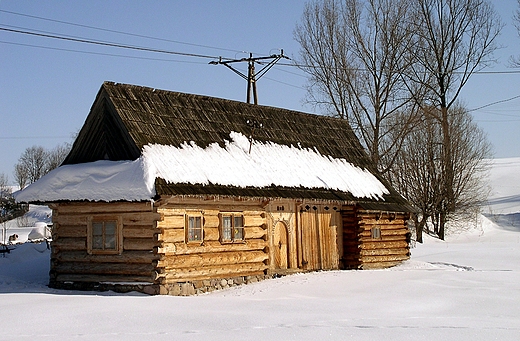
[(173, 289), (202, 286)]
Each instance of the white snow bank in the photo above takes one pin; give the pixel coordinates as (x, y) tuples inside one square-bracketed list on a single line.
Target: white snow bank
[(265, 165), (504, 180)]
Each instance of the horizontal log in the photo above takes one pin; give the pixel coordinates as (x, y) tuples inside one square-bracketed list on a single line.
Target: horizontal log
[(211, 234), (208, 259), (210, 212), (139, 232), (211, 221), (386, 233), (70, 231), (383, 245), (380, 252), (378, 265), (141, 218), (254, 220), (215, 271), (138, 244), (384, 226), (112, 207), (103, 269), (172, 221), (384, 258), (172, 235), (255, 232), (69, 244), (102, 278), (213, 202), (129, 257), (70, 220), (210, 246), (383, 220), (383, 239), (171, 211)]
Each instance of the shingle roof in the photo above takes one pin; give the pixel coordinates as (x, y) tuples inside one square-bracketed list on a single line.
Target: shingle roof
[(125, 118)]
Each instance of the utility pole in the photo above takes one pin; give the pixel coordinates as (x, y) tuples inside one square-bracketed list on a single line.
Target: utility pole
[(252, 76)]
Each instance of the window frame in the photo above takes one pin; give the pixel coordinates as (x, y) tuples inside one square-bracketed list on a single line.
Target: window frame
[(233, 230), (375, 232), (118, 235), (187, 234)]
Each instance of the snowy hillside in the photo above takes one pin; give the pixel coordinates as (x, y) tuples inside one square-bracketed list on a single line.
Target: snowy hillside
[(464, 289)]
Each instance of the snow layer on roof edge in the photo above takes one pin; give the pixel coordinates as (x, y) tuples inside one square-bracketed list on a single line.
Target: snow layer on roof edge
[(243, 163), (240, 163), (94, 181)]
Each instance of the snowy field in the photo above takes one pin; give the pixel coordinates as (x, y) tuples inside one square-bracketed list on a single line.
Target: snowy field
[(467, 288)]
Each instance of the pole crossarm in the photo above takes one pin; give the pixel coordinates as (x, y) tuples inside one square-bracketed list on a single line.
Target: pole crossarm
[(251, 77)]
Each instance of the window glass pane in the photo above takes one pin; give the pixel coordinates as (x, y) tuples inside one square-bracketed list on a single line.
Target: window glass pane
[(97, 229), (110, 228), (104, 235), (226, 227), (239, 228), (239, 233), (194, 228), (110, 242), (97, 242)]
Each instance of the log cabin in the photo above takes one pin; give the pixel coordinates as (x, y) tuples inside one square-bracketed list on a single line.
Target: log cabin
[(173, 193)]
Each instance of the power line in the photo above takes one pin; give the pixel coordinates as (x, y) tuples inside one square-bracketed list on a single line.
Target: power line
[(100, 53), (102, 43), (119, 32), (497, 102)]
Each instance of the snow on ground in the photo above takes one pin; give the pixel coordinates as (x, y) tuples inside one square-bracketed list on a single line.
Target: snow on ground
[(466, 288)]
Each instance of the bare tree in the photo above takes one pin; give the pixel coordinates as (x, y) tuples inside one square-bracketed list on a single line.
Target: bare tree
[(515, 60), (31, 165), (355, 53), (419, 175), (56, 156), (36, 161), (455, 39)]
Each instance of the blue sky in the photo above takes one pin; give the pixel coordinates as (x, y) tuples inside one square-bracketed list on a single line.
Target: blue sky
[(46, 92)]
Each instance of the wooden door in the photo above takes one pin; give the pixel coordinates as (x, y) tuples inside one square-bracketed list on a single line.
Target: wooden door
[(280, 246), (319, 238)]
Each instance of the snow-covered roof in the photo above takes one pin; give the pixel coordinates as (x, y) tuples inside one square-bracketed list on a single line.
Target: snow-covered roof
[(240, 163), (186, 144)]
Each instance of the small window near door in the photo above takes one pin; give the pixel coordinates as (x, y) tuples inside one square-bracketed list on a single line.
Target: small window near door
[(231, 227), (104, 235), (376, 232)]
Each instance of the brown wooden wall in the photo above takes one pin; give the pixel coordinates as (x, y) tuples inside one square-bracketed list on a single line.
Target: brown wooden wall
[(180, 261), (309, 236), (362, 251), (70, 260)]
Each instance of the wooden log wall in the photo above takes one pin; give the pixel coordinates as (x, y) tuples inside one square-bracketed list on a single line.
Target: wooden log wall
[(391, 248), (70, 259), (351, 258), (180, 261)]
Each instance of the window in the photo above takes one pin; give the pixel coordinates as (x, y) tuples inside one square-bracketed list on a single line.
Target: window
[(232, 227), (376, 232), (194, 230), (104, 235)]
